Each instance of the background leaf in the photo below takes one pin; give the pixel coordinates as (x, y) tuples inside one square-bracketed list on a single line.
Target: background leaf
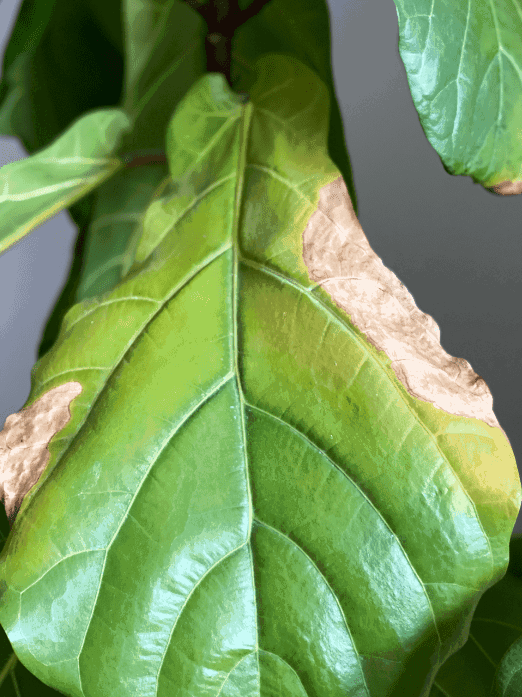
[(63, 59), (466, 84), (36, 188), (491, 654), (246, 493), (164, 55)]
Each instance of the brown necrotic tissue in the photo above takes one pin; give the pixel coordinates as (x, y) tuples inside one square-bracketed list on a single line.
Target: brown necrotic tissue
[(24, 440), (338, 256)]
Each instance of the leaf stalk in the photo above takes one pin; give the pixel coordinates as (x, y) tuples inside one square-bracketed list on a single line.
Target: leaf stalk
[(222, 17)]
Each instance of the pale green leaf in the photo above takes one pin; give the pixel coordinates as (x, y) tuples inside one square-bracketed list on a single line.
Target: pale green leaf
[(250, 497), (34, 189), (463, 61)]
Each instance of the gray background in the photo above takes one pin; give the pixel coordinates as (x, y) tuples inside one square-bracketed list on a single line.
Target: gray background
[(456, 247)]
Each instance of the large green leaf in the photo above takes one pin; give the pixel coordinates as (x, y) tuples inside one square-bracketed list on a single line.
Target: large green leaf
[(463, 61), (490, 659), (63, 59), (35, 188), (248, 497)]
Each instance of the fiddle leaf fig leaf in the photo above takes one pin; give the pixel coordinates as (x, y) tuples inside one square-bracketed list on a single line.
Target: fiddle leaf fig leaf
[(63, 60), (274, 480), (165, 54), (35, 188), (466, 85)]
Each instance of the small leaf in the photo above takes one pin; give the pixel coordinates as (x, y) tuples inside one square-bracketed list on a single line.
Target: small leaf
[(35, 188), (466, 84), (249, 496)]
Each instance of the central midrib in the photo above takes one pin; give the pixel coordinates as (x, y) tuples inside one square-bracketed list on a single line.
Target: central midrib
[(244, 132)]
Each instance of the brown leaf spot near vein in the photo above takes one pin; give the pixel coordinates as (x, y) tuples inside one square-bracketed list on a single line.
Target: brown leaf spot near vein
[(339, 257), (24, 440)]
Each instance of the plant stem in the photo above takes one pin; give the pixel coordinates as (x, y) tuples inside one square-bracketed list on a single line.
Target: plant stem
[(223, 17)]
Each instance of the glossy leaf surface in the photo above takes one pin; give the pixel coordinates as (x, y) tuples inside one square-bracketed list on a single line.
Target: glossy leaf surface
[(489, 663), (35, 188), (246, 498), (463, 61)]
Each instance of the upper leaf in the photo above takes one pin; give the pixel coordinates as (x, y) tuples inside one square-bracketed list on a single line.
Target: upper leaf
[(63, 59), (164, 55), (35, 188), (250, 496), (463, 61)]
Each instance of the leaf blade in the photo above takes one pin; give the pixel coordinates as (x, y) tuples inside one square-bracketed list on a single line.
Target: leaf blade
[(36, 188), (466, 85), (243, 465)]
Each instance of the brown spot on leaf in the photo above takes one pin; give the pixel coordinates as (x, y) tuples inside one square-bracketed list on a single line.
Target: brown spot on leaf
[(508, 188), (339, 257), (24, 440)]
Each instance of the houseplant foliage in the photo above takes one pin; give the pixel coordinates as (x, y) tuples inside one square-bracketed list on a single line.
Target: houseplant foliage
[(465, 85), (249, 488)]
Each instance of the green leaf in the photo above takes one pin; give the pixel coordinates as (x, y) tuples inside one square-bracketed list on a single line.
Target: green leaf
[(256, 490), (508, 679), (490, 660), (120, 207), (63, 59), (466, 84), (164, 56), (36, 188)]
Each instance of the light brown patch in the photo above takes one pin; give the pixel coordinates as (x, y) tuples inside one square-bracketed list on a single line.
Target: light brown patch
[(339, 257), (24, 440), (508, 188)]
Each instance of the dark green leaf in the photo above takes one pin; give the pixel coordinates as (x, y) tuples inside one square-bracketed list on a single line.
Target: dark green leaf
[(463, 61), (257, 491), (490, 660), (63, 59), (164, 56)]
